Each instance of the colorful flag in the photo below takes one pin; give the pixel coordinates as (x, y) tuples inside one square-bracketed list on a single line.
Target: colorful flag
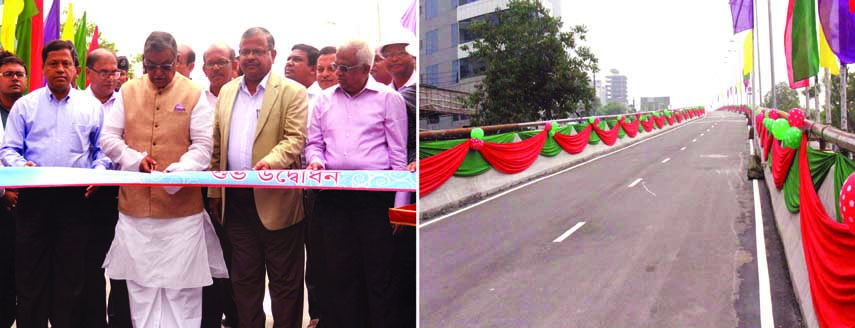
[(11, 10), (827, 59), (788, 49), (36, 72), (410, 20), (24, 32), (838, 24), (52, 23), (806, 51), (80, 45), (68, 26), (92, 46), (742, 12), (748, 53)]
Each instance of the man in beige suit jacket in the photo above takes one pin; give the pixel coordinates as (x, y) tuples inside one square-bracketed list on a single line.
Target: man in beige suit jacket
[(261, 125)]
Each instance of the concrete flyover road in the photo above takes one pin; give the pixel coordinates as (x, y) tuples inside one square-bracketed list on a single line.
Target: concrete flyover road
[(659, 234)]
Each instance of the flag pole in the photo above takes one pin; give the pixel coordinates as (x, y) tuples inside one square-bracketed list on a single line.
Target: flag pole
[(844, 122), (816, 97), (827, 97), (772, 56), (756, 60)]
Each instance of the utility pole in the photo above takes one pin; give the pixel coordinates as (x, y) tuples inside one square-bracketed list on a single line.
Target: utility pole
[(772, 56), (844, 122)]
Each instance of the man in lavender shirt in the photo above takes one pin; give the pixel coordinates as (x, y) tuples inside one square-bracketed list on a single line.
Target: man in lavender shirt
[(55, 126), (359, 125)]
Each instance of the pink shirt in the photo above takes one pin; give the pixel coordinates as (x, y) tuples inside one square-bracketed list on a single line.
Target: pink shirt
[(364, 132)]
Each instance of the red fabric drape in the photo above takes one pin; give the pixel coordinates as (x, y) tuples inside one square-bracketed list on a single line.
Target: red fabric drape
[(514, 157), (670, 120), (647, 125), (435, 170), (767, 143), (576, 143), (829, 248), (660, 121), (631, 129), (609, 137), (782, 159), (679, 117)]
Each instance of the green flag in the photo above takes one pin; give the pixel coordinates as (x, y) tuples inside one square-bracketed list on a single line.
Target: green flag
[(80, 45), (805, 47), (24, 31)]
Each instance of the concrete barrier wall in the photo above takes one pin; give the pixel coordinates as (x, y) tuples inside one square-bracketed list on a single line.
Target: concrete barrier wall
[(789, 228), (458, 192)]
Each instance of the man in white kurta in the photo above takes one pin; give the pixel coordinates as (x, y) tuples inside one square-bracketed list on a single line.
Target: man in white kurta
[(165, 246)]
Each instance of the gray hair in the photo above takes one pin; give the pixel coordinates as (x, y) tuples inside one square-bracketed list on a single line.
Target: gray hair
[(364, 52), (220, 45), (253, 31), (159, 41)]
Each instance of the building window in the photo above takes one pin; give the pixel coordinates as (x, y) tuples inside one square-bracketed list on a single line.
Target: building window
[(463, 2), (431, 42), (463, 26), (431, 9), (471, 67), (454, 4), (433, 119), (455, 71), (455, 32), (433, 74)]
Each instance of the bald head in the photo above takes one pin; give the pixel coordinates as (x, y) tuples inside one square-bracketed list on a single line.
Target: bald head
[(186, 61), (102, 70), (219, 65)]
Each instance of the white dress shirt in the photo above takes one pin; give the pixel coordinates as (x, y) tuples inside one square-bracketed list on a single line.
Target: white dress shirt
[(245, 113)]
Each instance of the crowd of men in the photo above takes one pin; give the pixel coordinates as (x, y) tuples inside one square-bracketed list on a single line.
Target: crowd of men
[(196, 257)]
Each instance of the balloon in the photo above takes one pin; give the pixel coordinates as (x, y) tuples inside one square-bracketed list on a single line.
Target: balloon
[(620, 117), (773, 114), (793, 138), (551, 127), (847, 202), (767, 122), (476, 144), (591, 120), (797, 118), (477, 133), (779, 128)]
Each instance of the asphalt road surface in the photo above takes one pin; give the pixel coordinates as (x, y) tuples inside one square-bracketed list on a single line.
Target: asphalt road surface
[(667, 241)]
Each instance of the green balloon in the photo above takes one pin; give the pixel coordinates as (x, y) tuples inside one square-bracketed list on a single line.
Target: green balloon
[(620, 117), (779, 128), (591, 120), (793, 138), (767, 122), (477, 133)]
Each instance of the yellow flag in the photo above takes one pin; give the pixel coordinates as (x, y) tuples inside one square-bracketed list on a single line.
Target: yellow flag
[(748, 64), (827, 58), (11, 10), (68, 26)]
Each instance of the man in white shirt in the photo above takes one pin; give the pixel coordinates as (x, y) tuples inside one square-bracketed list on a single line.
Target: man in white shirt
[(165, 246)]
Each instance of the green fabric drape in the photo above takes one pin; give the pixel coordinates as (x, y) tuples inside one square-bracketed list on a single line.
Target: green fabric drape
[(820, 163), (550, 148), (843, 167), (612, 124), (474, 163), (594, 139)]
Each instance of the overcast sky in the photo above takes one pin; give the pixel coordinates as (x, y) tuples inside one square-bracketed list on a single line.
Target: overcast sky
[(201, 23), (684, 49)]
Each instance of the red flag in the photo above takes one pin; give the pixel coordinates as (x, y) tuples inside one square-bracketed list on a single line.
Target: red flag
[(38, 41), (92, 46), (852, 6)]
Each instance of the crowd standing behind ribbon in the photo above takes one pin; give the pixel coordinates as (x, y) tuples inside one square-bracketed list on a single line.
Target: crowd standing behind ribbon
[(189, 257)]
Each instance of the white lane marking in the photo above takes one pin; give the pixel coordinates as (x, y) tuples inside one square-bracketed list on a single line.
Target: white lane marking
[(684, 148), (666, 160), (441, 218), (634, 183), (751, 146), (702, 134), (693, 140), (568, 232), (766, 318), (644, 184)]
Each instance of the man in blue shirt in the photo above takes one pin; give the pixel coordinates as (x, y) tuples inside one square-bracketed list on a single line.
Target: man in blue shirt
[(57, 126)]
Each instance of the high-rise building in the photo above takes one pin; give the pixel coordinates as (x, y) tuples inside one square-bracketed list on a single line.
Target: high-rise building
[(443, 30), (649, 104), (616, 89)]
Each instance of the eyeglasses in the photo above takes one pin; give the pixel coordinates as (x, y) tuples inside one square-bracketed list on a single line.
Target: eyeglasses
[(254, 52), (162, 67), (398, 54), (219, 64), (343, 68), (10, 74), (106, 74)]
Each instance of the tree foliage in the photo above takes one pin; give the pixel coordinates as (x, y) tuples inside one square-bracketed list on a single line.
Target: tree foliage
[(786, 98), (613, 108), (534, 71), (835, 102)]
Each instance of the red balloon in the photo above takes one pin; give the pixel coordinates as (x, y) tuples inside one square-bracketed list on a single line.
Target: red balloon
[(476, 144), (797, 118), (773, 114), (847, 202)]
